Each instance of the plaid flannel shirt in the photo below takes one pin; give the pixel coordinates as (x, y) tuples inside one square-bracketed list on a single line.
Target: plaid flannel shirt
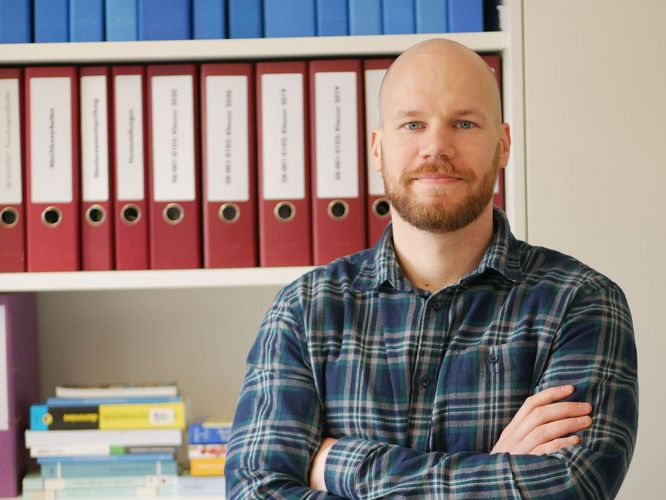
[(418, 386)]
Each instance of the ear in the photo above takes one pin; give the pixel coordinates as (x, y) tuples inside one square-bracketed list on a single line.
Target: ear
[(505, 145), (376, 149)]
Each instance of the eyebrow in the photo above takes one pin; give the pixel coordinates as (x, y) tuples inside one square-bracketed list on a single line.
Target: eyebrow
[(413, 113)]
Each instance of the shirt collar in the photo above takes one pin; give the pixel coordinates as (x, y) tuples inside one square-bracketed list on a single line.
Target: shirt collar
[(382, 267)]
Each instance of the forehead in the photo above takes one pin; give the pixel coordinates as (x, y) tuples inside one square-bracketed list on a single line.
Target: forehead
[(433, 80)]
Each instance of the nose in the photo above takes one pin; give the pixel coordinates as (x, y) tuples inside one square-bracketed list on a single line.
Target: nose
[(437, 143)]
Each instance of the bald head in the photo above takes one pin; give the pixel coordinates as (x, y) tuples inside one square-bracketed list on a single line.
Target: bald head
[(442, 62)]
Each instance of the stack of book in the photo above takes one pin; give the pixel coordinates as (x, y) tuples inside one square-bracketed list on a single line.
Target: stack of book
[(113, 440), (207, 446)]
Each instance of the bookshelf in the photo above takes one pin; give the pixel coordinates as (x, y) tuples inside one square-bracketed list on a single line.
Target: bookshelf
[(196, 326)]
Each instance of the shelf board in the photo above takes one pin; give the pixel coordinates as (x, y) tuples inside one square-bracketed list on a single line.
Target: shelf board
[(148, 280), (230, 49)]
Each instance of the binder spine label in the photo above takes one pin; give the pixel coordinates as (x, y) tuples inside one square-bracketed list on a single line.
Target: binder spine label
[(283, 136), (173, 138), (129, 138), (336, 120), (227, 148), (10, 142), (4, 374), (51, 140), (373, 81), (94, 139)]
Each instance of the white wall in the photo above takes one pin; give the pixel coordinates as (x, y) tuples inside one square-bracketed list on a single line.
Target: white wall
[(595, 85)]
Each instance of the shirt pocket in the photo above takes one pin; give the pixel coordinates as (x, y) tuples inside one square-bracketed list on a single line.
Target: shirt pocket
[(485, 387)]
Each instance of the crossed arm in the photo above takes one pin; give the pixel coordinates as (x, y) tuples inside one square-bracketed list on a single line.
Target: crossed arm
[(279, 450), (542, 425)]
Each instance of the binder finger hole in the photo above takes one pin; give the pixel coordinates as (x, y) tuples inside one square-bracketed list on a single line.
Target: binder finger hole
[(130, 214), (285, 211), (338, 209), (229, 212), (9, 217), (95, 215), (51, 216), (173, 213), (381, 207)]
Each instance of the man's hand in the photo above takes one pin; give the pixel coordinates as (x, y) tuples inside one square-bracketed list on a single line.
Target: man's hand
[(543, 426), (317, 470)]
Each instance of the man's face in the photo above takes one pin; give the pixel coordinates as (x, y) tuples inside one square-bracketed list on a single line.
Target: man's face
[(441, 143)]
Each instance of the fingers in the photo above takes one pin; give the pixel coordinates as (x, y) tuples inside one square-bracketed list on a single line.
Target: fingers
[(542, 398), (555, 445), (543, 419), (553, 412), (551, 432)]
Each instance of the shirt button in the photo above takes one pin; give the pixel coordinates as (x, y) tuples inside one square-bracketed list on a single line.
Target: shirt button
[(493, 358), (424, 381), (437, 305)]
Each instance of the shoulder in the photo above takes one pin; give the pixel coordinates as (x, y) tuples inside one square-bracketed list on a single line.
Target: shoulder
[(329, 282), (546, 267)]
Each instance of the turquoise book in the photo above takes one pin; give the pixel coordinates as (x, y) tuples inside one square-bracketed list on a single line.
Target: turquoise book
[(124, 468)]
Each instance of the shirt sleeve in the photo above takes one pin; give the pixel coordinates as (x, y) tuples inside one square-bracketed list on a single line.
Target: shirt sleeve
[(595, 351), (278, 425)]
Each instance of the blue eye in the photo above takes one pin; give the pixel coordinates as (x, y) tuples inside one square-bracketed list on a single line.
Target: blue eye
[(464, 124), (412, 125)]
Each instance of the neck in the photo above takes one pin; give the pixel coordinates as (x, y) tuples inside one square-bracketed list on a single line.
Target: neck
[(432, 261)]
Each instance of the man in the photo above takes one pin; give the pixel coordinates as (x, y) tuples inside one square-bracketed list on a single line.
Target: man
[(450, 360)]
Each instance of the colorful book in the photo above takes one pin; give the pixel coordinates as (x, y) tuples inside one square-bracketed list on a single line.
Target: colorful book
[(133, 437), (164, 19), (145, 389), (95, 492), (209, 19), (86, 20), (207, 466), (89, 469), (108, 416), (110, 401), (211, 486), (120, 20), (34, 481), (210, 431), (332, 18), (246, 19), (289, 18), (365, 17), (206, 450), (51, 20), (97, 450), (15, 21), (108, 459)]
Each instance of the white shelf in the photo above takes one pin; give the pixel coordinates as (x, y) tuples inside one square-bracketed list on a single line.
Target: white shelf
[(256, 49), (148, 280)]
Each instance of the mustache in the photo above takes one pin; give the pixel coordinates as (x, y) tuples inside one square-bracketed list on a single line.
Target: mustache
[(434, 167)]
